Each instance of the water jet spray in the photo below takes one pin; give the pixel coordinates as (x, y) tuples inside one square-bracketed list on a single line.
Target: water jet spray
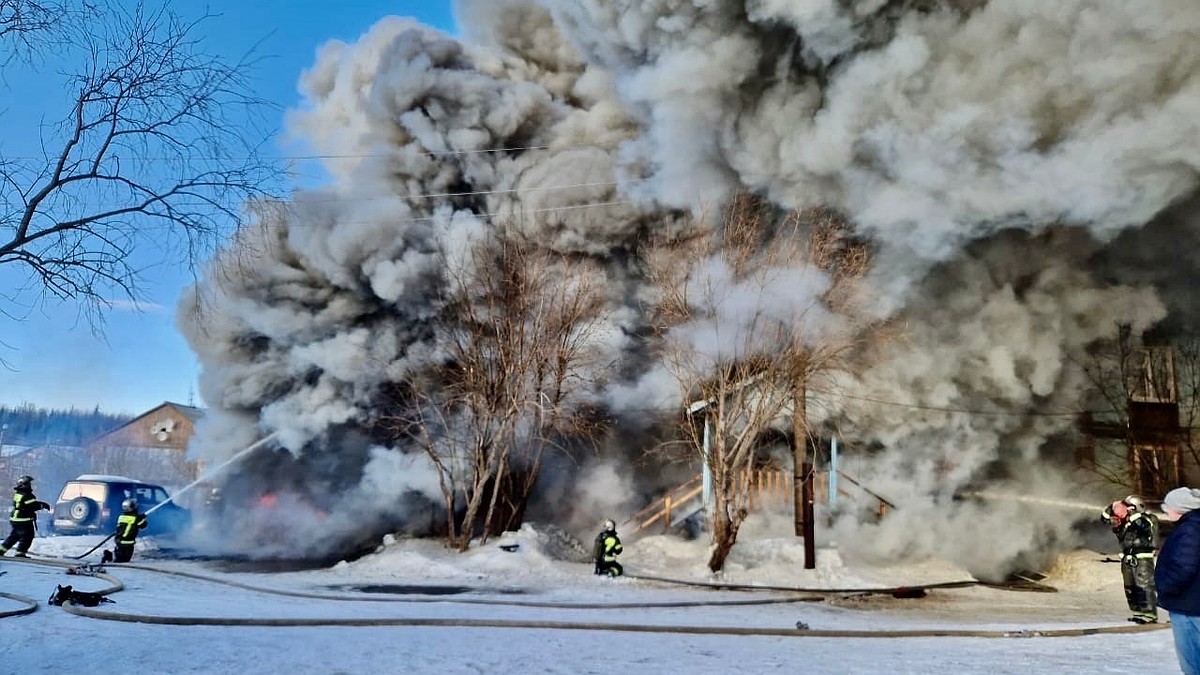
[(215, 470), (1044, 501)]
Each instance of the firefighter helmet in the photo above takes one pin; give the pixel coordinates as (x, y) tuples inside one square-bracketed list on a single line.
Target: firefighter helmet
[(25, 482), (129, 505), (610, 526), (1135, 503)]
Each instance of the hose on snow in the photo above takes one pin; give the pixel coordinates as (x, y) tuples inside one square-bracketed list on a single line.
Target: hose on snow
[(802, 631), (30, 607)]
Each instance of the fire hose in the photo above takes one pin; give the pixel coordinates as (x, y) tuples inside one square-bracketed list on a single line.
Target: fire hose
[(801, 631), (92, 549), (890, 590), (592, 626), (30, 607), (208, 476), (473, 601)]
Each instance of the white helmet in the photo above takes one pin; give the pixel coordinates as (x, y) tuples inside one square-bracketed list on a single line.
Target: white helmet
[(129, 505), (610, 525), (1135, 503)]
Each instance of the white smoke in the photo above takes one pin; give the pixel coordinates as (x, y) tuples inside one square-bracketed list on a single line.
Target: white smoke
[(989, 151)]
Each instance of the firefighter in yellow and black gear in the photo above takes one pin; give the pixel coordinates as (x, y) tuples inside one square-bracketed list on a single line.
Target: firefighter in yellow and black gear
[(608, 547), (23, 517), (1137, 531), (129, 523)]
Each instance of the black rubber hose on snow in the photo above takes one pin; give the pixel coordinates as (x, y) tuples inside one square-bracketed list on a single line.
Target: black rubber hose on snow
[(560, 625)]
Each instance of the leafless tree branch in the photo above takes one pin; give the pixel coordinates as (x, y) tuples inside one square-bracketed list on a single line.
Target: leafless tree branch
[(517, 332), (749, 314), (159, 150)]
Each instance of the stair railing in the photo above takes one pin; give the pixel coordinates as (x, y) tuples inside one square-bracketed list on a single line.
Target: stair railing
[(764, 487), (661, 508)]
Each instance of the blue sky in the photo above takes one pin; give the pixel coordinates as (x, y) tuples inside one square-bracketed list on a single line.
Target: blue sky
[(54, 359)]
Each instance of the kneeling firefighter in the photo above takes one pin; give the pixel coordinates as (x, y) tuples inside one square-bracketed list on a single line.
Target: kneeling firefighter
[(129, 523), (608, 547)]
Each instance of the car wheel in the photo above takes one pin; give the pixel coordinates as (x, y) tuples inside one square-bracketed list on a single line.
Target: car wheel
[(81, 510)]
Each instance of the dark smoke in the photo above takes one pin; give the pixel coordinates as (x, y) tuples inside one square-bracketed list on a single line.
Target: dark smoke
[(1004, 158)]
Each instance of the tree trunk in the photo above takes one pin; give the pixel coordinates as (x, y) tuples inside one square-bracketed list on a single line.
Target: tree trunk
[(725, 529), (497, 486), (451, 506), (474, 504)]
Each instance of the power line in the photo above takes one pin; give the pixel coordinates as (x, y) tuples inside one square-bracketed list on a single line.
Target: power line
[(965, 411), (494, 214), (319, 156), (420, 219), (442, 195), (670, 409)]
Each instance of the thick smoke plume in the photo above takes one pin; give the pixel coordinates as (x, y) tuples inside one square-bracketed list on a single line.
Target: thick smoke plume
[(996, 155)]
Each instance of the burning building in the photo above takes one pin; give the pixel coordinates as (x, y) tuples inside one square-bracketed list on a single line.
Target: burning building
[(1019, 169)]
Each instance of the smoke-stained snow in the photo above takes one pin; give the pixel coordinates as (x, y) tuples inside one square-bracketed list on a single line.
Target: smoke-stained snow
[(1002, 158)]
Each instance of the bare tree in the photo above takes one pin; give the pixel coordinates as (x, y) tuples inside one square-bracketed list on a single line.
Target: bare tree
[(750, 315), (157, 149), (1144, 400), (826, 245), (57, 464), (1187, 353), (518, 336), (27, 25)]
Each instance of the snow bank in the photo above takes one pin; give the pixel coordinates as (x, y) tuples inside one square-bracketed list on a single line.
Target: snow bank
[(535, 549)]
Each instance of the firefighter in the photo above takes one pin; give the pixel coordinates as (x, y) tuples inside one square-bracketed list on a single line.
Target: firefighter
[(1137, 532), (214, 503), (23, 518), (608, 547), (128, 525)]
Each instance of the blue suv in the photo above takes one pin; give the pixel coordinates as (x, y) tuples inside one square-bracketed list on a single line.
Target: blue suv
[(90, 504)]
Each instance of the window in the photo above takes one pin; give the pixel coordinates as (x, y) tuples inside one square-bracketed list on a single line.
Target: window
[(149, 495), (93, 491)]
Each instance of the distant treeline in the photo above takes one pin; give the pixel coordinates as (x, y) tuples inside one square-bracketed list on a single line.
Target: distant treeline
[(29, 425)]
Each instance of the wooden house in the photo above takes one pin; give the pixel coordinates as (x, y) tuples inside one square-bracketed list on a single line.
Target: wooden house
[(150, 447)]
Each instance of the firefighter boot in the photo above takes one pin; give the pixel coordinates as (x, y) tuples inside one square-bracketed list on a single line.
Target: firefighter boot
[(1144, 617)]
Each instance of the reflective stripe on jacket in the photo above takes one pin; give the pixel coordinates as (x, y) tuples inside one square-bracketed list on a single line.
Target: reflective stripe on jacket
[(128, 525), (612, 546), (25, 507), (1138, 534)]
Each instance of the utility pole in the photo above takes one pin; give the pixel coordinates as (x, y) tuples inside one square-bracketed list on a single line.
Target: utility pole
[(802, 473)]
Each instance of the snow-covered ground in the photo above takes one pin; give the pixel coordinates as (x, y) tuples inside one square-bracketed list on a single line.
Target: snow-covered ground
[(543, 581)]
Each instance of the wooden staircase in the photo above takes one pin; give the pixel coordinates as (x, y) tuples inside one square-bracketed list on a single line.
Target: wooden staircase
[(766, 488), (680, 503)]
